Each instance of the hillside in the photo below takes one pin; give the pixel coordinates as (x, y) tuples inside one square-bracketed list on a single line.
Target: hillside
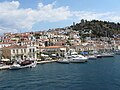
[(97, 28)]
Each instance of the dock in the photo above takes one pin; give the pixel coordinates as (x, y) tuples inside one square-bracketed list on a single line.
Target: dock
[(5, 67), (48, 61)]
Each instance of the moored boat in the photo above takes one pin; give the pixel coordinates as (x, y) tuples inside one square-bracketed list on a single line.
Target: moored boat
[(107, 55), (24, 64), (78, 59), (99, 56), (117, 52), (92, 57), (64, 61)]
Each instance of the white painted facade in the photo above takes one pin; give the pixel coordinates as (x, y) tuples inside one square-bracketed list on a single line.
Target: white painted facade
[(24, 53)]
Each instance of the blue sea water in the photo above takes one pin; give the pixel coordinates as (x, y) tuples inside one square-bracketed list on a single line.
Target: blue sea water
[(100, 74)]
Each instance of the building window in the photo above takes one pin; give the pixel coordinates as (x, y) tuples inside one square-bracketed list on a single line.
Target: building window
[(33, 50), (17, 50), (30, 50), (13, 51), (21, 50)]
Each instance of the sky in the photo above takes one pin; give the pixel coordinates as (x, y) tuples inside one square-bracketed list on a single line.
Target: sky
[(39, 15)]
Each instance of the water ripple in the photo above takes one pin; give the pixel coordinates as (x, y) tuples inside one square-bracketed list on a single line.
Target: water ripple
[(101, 74)]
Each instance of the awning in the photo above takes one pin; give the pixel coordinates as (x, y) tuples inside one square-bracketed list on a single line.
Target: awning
[(5, 60), (84, 53), (44, 55), (53, 54)]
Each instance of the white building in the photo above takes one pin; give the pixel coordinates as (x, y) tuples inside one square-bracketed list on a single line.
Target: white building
[(17, 52)]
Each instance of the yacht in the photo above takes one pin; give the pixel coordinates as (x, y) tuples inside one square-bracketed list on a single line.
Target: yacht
[(99, 55), (77, 59), (64, 61)]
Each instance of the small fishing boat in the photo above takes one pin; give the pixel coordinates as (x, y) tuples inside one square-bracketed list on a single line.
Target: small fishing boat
[(99, 56), (24, 64), (107, 55), (64, 61), (92, 57)]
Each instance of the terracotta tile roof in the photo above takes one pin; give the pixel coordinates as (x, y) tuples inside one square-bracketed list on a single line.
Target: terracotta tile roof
[(53, 47), (16, 46), (6, 42), (41, 47)]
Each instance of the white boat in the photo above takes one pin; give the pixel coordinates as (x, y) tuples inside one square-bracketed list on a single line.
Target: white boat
[(117, 52), (107, 55), (22, 65), (98, 56), (65, 61), (1, 64), (91, 57), (77, 59)]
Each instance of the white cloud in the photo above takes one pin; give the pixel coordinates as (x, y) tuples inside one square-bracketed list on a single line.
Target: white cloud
[(114, 18), (13, 18), (5, 29), (9, 5), (108, 16)]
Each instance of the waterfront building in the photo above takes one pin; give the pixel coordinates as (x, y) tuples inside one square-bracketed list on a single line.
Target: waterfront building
[(4, 44), (18, 52), (56, 50)]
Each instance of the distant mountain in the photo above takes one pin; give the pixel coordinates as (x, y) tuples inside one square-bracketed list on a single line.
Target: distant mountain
[(97, 28)]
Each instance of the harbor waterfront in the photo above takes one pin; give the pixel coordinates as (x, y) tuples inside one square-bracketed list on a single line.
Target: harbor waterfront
[(99, 74), (59, 45)]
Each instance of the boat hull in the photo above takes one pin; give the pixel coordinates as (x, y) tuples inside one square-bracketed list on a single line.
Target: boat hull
[(75, 60), (108, 55), (16, 67), (99, 56), (92, 57), (64, 61)]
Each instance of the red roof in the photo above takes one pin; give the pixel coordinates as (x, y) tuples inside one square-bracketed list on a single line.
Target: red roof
[(16, 46), (54, 47)]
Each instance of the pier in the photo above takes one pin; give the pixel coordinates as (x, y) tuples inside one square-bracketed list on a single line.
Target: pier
[(5, 67), (48, 61)]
